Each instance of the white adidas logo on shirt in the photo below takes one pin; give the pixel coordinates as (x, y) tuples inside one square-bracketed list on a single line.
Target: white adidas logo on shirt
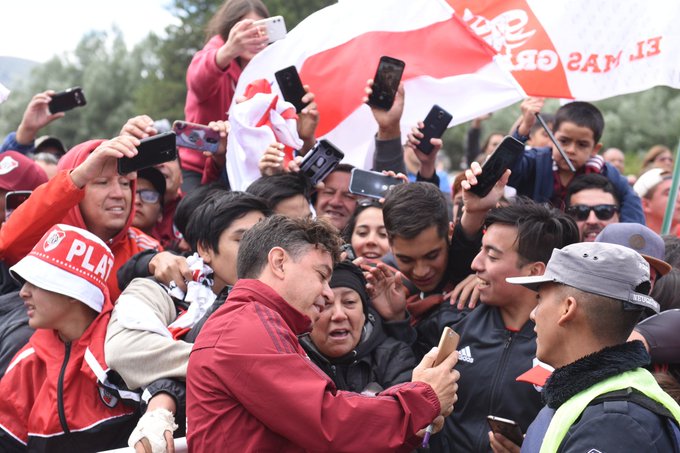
[(465, 355)]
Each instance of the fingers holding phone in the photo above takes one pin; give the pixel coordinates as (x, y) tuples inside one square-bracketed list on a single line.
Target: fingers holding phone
[(103, 161)]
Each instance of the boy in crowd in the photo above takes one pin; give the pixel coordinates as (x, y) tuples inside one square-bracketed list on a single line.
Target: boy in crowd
[(57, 392), (542, 173), (149, 200)]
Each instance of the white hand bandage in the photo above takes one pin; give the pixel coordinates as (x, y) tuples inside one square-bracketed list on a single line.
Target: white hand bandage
[(153, 426)]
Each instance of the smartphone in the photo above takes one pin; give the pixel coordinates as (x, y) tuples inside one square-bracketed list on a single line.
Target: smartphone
[(508, 428), (371, 183), (320, 161), (386, 83), (151, 151), (349, 251), (196, 136), (503, 157), (435, 124), (13, 199), (448, 343), (275, 25), (291, 87), (67, 100)]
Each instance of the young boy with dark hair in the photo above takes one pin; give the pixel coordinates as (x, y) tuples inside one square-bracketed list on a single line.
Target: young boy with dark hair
[(544, 175)]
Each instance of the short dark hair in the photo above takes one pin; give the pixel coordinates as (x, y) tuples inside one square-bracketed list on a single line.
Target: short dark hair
[(666, 289), (412, 208), (672, 245), (540, 228), (191, 201), (583, 114), (276, 188), (217, 213), (294, 235), (352, 222), (606, 317), (591, 181)]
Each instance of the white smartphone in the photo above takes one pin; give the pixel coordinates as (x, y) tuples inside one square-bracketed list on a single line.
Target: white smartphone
[(275, 26)]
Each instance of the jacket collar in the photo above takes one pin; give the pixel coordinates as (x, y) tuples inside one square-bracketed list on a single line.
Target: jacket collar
[(250, 290), (587, 371)]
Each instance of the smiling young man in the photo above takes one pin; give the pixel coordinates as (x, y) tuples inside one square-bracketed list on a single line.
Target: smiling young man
[(251, 386), (497, 340), (87, 193)]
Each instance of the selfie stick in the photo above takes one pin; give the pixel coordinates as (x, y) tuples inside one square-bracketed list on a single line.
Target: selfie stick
[(552, 137), (672, 198)]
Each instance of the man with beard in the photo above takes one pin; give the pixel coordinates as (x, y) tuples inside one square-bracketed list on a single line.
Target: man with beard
[(593, 203)]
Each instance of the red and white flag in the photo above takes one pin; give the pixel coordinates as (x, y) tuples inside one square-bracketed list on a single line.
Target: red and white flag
[(338, 48), (581, 49)]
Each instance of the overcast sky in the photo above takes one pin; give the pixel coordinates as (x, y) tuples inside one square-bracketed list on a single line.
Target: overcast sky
[(39, 29)]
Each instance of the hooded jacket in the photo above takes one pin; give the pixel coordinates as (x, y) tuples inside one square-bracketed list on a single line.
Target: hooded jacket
[(251, 387), (377, 361), (59, 397), (57, 202)]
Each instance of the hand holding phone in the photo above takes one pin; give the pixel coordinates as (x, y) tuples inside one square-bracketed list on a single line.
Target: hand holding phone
[(67, 100), (151, 151), (196, 136), (434, 126), (291, 87), (505, 156), (275, 26), (508, 428), (386, 82), (320, 161)]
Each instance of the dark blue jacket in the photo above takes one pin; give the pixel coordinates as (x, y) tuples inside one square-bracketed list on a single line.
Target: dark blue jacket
[(532, 176)]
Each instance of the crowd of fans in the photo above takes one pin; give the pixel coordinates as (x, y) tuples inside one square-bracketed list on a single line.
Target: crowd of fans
[(140, 308)]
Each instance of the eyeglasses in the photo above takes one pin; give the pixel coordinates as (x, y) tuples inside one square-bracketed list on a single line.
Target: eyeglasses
[(602, 211), (148, 195)]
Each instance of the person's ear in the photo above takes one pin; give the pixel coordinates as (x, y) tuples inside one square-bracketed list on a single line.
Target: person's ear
[(596, 149), (276, 260), (205, 253), (452, 227), (536, 268), (645, 204), (568, 310)]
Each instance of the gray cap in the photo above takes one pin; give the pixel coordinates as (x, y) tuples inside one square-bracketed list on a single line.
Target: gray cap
[(609, 270), (639, 238)]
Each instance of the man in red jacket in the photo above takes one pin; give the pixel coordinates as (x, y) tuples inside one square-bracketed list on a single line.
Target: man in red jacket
[(251, 386), (87, 193)]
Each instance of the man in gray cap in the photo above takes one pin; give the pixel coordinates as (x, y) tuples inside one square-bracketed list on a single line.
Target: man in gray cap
[(599, 398)]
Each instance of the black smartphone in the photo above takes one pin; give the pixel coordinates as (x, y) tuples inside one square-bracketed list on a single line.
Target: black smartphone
[(151, 151), (371, 183), (435, 124), (67, 100), (508, 428), (503, 157), (320, 161), (386, 83), (291, 87), (13, 199)]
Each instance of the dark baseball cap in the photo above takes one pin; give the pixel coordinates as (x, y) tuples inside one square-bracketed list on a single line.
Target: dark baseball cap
[(609, 270)]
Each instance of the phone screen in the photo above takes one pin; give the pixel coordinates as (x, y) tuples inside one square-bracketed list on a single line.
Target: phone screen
[(14, 199), (370, 183), (386, 83), (151, 151), (508, 428), (196, 136)]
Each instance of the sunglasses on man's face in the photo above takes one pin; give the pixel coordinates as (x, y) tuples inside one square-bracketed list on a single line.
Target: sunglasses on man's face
[(602, 211)]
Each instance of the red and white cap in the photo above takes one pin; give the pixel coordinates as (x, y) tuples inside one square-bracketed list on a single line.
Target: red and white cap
[(70, 261)]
